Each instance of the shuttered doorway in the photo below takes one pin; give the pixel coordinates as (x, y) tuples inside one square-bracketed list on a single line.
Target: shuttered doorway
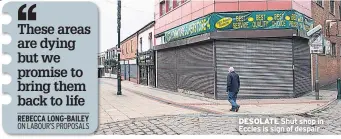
[(166, 69), (302, 68), (264, 66), (187, 69)]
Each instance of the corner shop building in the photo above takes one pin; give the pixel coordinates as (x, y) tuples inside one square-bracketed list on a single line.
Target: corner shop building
[(268, 49)]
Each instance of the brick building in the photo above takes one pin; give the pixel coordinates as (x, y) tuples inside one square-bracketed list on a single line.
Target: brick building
[(265, 40), (329, 62), (129, 68)]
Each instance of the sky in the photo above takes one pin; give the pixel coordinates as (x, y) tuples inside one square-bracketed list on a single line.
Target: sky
[(134, 15)]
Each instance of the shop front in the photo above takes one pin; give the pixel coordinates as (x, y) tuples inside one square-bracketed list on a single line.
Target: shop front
[(268, 49), (147, 72)]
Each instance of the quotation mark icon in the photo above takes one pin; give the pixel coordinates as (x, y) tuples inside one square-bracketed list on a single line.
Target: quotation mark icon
[(31, 15)]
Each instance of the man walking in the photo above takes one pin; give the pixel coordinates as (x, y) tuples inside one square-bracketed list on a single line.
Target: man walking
[(232, 88)]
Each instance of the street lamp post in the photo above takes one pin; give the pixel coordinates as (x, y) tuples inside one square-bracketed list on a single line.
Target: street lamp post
[(119, 92)]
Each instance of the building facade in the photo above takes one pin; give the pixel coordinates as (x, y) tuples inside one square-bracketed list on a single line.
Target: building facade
[(129, 68), (107, 63), (101, 62), (266, 42), (329, 63), (146, 55), (111, 62)]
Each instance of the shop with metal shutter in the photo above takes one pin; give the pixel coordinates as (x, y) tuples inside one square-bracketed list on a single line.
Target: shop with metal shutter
[(302, 67), (187, 69), (269, 67), (166, 69), (264, 67)]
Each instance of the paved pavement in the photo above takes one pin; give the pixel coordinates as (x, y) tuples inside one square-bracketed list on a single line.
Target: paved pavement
[(145, 110), (203, 124), (130, 105), (148, 96)]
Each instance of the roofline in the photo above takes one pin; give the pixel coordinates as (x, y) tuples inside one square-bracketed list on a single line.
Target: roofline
[(149, 25), (136, 33)]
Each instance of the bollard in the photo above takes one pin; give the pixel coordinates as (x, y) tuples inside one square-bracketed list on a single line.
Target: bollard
[(338, 88), (317, 90)]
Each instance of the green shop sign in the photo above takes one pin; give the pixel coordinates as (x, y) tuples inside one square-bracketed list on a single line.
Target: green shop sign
[(241, 21)]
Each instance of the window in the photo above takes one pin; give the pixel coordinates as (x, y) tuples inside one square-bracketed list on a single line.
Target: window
[(162, 8), (170, 5), (163, 40), (332, 6), (126, 48), (140, 45), (177, 3), (333, 49), (150, 40), (131, 45), (319, 2)]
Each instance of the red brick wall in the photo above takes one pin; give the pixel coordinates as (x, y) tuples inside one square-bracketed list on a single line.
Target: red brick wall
[(329, 66), (128, 53)]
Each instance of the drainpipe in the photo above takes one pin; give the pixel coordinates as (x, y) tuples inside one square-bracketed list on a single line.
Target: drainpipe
[(339, 88)]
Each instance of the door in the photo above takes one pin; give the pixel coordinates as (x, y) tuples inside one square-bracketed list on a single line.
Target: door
[(99, 73), (148, 73), (143, 75), (151, 79)]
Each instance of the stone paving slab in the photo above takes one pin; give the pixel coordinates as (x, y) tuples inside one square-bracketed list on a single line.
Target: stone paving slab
[(272, 106), (130, 105), (266, 109), (325, 96), (206, 124)]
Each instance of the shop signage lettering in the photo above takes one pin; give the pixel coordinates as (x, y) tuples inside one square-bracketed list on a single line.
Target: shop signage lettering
[(241, 21)]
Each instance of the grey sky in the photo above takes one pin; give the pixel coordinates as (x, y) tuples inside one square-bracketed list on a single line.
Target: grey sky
[(135, 15)]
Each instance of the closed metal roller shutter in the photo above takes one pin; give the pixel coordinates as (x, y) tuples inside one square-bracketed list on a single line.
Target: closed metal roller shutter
[(188, 68), (166, 66), (196, 69), (302, 71), (264, 67), (123, 70), (133, 71), (127, 70)]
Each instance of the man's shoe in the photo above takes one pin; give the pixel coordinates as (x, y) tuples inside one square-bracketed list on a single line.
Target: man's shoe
[(237, 109)]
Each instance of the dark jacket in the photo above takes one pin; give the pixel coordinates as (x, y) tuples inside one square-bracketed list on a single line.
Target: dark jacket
[(233, 82)]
